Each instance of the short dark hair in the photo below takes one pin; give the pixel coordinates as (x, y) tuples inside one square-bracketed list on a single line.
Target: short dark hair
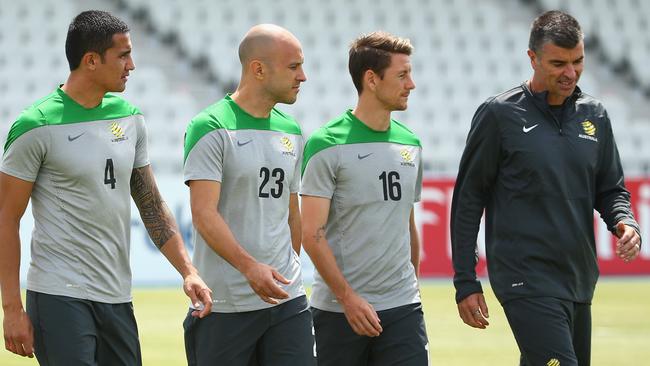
[(557, 27), (373, 52), (91, 31)]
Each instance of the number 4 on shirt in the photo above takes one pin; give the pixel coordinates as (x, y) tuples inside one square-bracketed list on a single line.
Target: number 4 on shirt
[(109, 173)]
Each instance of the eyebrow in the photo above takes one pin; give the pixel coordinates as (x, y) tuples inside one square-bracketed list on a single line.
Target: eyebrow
[(563, 61)]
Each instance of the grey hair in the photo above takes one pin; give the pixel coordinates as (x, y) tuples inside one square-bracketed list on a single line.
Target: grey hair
[(556, 27)]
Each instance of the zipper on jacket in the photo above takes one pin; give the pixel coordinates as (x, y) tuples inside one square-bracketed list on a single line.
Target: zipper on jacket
[(557, 122), (569, 100), (545, 107)]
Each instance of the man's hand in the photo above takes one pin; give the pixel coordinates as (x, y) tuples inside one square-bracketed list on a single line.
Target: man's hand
[(473, 310), (18, 332), (361, 315), (199, 294), (628, 245), (264, 279)]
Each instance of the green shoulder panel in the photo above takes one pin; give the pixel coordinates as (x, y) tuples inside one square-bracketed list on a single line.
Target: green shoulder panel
[(283, 122), (233, 117), (28, 120), (59, 109), (205, 122), (320, 140), (348, 129), (227, 115)]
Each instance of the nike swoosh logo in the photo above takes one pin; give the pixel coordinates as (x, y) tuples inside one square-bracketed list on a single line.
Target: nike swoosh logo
[(363, 156), (244, 143), (72, 138), (528, 129)]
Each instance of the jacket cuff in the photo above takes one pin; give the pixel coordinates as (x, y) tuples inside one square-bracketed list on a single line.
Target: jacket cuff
[(633, 224), (467, 288)]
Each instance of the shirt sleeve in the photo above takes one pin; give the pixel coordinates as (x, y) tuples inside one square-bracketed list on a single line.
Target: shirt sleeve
[(295, 182), (319, 177), (141, 146), (418, 183), (24, 157), (476, 176), (612, 198), (205, 160)]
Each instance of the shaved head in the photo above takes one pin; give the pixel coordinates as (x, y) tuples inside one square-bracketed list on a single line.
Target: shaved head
[(271, 59), (262, 40)]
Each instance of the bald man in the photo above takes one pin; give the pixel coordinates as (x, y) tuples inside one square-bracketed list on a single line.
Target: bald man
[(242, 164)]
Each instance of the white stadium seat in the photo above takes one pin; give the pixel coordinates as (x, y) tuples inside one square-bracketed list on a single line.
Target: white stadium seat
[(465, 51)]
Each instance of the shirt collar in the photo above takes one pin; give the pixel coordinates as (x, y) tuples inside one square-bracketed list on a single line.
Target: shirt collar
[(542, 96)]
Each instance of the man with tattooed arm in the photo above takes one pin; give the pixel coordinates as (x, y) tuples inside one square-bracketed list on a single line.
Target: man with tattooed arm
[(79, 154)]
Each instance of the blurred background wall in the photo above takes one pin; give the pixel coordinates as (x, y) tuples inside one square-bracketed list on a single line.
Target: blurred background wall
[(465, 51)]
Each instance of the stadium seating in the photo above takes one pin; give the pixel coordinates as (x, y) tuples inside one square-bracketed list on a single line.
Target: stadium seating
[(465, 51)]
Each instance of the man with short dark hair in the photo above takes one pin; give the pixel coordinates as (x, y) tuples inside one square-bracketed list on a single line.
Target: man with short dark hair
[(79, 153), (362, 174), (242, 165), (539, 159)]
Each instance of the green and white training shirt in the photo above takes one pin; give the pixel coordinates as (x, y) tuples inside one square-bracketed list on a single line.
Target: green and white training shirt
[(80, 161), (257, 161), (372, 179)]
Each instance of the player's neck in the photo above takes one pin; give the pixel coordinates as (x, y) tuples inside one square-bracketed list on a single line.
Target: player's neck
[(373, 115), (83, 91), (253, 102)]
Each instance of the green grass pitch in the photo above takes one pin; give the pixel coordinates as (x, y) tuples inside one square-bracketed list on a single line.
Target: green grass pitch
[(621, 327)]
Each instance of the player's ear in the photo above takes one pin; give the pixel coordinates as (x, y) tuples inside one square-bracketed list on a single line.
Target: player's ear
[(257, 69), (90, 60), (370, 80), (534, 60)]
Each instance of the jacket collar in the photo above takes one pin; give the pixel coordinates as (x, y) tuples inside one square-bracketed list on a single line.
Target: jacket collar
[(541, 97)]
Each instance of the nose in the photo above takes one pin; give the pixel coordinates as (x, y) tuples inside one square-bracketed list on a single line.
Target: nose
[(130, 65), (570, 71), (410, 85), (302, 77)]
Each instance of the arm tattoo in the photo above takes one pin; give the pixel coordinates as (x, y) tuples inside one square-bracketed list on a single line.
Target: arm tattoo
[(320, 233), (154, 212)]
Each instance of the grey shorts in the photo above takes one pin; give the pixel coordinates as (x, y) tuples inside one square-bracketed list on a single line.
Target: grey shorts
[(403, 340), (281, 335), (70, 331)]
